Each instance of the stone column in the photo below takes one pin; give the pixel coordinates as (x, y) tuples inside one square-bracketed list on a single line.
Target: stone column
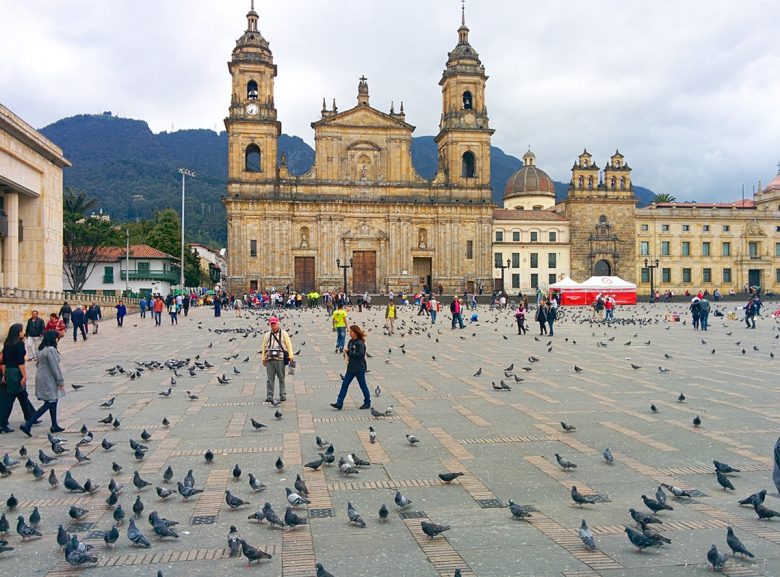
[(11, 242)]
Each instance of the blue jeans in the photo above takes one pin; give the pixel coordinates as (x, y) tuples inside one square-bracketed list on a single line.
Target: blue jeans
[(361, 379), (341, 335), (433, 316), (457, 318), (704, 320)]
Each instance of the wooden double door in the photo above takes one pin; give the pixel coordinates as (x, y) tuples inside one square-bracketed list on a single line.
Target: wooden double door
[(364, 271), (304, 273)]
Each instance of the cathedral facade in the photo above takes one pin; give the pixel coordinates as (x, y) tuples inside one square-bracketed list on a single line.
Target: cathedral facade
[(361, 208)]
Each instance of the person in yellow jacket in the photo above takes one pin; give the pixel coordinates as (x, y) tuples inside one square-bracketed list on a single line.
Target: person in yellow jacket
[(340, 326), (390, 316), (276, 346)]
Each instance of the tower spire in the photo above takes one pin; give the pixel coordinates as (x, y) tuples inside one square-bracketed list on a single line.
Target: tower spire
[(462, 12), (251, 18), (463, 31)]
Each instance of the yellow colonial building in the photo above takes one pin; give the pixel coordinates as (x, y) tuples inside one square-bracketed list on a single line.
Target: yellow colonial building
[(30, 207), (362, 204)]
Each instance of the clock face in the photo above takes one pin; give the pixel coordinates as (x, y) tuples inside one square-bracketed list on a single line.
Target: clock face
[(252, 109), (469, 118)]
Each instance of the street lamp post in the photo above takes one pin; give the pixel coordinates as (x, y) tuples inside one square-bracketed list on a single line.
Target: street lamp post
[(344, 267), (502, 267), (184, 173), (127, 261), (651, 267)]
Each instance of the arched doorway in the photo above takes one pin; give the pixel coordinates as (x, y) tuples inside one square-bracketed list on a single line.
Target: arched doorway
[(602, 268)]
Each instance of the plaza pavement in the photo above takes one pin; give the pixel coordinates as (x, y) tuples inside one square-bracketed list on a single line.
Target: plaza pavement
[(504, 442)]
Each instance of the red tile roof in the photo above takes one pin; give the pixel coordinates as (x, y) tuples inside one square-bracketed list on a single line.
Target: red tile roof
[(117, 253), (530, 215)]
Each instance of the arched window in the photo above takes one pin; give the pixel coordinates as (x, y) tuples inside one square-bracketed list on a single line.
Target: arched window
[(622, 183), (252, 158), (469, 165), (602, 268), (590, 182), (468, 101), (580, 182), (612, 182), (251, 90)]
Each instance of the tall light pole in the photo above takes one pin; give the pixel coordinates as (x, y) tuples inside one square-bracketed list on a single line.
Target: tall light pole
[(184, 173), (651, 267), (344, 267), (502, 267), (127, 261)]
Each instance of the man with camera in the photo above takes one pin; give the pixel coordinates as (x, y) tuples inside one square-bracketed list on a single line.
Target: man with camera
[(277, 352)]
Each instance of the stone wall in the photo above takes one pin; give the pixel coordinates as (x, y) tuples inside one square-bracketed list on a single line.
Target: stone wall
[(17, 307)]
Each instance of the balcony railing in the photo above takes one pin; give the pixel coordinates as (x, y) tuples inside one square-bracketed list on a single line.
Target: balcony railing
[(171, 276)]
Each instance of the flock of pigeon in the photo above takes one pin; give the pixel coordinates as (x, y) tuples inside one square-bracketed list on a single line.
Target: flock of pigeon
[(644, 534)]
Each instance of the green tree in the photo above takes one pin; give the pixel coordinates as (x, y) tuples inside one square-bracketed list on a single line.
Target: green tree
[(83, 240), (660, 197), (193, 275), (165, 232), (76, 204)]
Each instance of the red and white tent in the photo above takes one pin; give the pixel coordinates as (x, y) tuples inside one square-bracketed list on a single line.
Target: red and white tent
[(570, 291), (622, 291)]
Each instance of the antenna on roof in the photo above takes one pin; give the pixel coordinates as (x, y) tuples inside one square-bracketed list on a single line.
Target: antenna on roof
[(743, 195)]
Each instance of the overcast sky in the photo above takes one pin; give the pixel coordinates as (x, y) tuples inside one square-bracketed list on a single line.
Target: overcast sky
[(689, 91)]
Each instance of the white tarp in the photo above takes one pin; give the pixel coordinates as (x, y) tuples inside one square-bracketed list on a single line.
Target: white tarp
[(607, 283), (564, 283)]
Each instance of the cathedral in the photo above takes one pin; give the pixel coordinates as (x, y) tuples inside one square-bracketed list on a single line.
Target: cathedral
[(361, 209)]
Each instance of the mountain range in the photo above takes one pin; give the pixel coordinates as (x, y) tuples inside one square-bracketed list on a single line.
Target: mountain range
[(133, 172)]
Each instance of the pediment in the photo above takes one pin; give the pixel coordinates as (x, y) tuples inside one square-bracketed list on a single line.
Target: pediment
[(365, 231), (363, 116)]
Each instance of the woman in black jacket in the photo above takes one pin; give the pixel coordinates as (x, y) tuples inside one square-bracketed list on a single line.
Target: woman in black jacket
[(14, 381), (356, 368), (541, 317)]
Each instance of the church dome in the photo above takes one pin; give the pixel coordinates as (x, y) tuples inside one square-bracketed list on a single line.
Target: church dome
[(775, 184), (529, 180)]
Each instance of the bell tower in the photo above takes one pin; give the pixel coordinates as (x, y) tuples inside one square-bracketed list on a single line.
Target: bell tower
[(464, 132), (251, 125)]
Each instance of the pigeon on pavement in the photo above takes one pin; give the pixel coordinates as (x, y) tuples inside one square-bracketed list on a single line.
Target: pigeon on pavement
[(586, 535), (717, 560), (579, 498), (735, 544), (432, 529)]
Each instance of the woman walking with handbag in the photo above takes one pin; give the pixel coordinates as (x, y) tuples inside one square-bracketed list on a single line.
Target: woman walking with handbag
[(356, 368), (14, 382), (49, 382)]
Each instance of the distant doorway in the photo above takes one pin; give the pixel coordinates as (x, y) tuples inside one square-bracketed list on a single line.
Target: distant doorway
[(602, 268), (304, 273), (422, 270), (754, 277), (364, 271)]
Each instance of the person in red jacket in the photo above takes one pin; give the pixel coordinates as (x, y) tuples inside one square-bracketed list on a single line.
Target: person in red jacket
[(56, 324)]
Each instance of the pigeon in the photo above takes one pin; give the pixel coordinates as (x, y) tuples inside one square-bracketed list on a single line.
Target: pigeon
[(53, 480), (71, 484), (44, 458), (358, 461), (106, 444), (328, 457), (255, 484), (118, 514), (258, 516), (716, 559), (565, 465), (136, 537), (676, 491), (279, 464), (146, 435), (162, 527), (354, 516), (681, 398), (449, 477), (764, 512), (608, 456), (377, 391), (314, 465), (138, 482), (168, 392), (651, 533), (164, 493), (111, 537), (35, 518), (662, 369), (278, 415), (77, 512), (577, 369), (639, 540), (653, 408), (723, 480), (371, 435), (479, 372), (300, 486), (656, 506), (189, 479), (724, 468), (234, 502), (754, 498), (517, 511), (432, 529), (24, 530), (271, 516), (37, 472), (579, 498), (76, 558), (587, 536), (90, 487), (321, 443), (401, 501), (568, 428), (660, 496), (643, 519), (257, 425), (81, 457), (234, 543), (292, 520), (168, 475), (383, 513), (697, 421), (86, 439), (236, 473), (186, 491), (108, 403), (412, 439), (165, 422), (376, 414), (252, 553), (4, 525), (321, 572), (138, 506), (735, 544)]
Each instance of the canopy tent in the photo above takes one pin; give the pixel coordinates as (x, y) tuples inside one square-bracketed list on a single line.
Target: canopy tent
[(570, 292), (621, 290)]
